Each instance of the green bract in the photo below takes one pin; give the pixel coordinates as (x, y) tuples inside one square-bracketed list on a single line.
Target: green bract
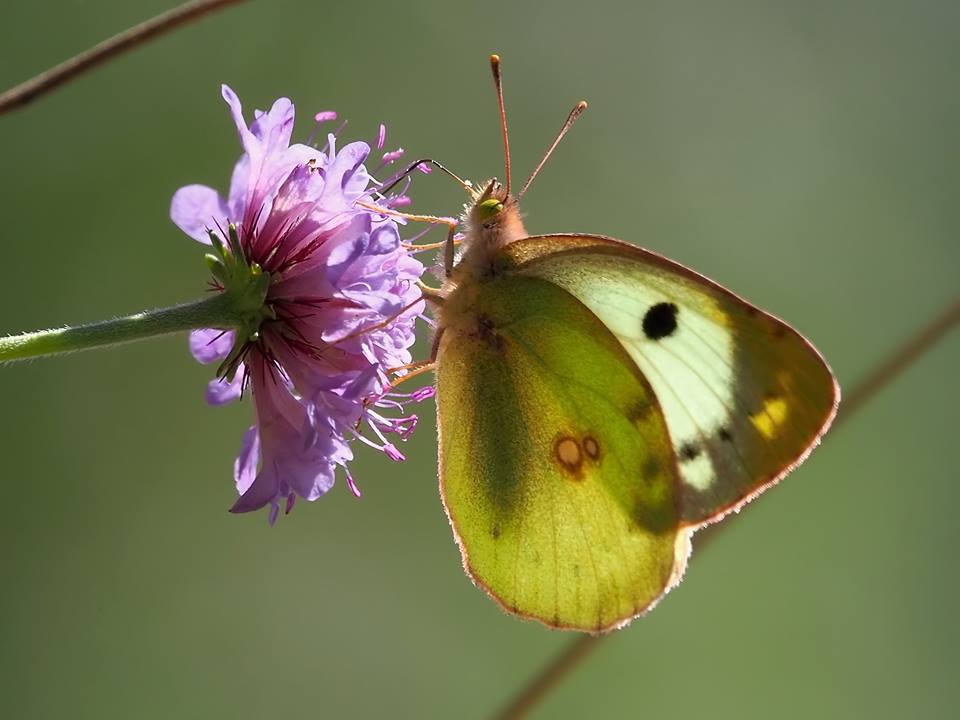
[(246, 285)]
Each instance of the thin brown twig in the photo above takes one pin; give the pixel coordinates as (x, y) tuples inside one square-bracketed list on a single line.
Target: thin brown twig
[(582, 647), (905, 355), (578, 650), (121, 42)]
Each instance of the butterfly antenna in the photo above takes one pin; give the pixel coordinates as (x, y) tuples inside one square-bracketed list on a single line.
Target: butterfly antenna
[(571, 119), (498, 83)]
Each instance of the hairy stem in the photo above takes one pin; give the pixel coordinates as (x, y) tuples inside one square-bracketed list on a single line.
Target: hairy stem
[(215, 311)]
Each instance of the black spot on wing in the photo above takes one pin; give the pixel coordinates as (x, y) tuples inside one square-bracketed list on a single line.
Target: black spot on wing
[(689, 451), (660, 321)]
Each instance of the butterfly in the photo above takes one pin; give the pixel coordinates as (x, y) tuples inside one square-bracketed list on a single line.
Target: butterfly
[(596, 404)]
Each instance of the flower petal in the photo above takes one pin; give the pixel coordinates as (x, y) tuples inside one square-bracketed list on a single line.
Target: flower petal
[(296, 457), (275, 127), (245, 466), (195, 209), (265, 489), (211, 344), (250, 144), (346, 177), (384, 239), (221, 391)]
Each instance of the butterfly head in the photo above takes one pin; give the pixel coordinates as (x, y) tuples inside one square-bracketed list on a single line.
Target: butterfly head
[(493, 218), (488, 207), (488, 210)]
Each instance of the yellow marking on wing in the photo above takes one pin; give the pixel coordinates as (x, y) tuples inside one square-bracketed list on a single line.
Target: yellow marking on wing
[(713, 312), (770, 417)]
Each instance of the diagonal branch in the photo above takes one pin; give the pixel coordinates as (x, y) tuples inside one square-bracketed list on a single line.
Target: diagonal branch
[(902, 358), (580, 648), (127, 40)]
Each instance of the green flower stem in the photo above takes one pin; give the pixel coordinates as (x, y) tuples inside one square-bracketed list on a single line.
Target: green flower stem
[(216, 311)]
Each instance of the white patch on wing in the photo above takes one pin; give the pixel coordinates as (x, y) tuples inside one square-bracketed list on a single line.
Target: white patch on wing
[(699, 472)]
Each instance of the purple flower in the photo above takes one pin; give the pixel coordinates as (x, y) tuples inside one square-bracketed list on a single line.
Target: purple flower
[(339, 309)]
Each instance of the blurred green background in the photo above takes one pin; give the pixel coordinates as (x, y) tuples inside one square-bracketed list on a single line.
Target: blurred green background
[(804, 154)]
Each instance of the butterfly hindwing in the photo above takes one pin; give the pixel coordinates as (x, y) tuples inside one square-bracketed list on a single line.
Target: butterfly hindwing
[(556, 467), (745, 397)]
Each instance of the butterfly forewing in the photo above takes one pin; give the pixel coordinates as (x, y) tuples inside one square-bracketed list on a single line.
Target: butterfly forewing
[(744, 396), (556, 466)]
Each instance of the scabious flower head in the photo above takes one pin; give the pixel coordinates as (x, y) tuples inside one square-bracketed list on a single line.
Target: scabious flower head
[(339, 304)]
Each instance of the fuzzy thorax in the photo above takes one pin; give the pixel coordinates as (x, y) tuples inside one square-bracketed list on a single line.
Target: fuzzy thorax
[(492, 221)]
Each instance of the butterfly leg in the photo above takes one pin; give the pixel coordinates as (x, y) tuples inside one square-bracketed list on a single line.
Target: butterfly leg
[(431, 294), (429, 246), (383, 323), (450, 222), (418, 368), (448, 251), (411, 370)]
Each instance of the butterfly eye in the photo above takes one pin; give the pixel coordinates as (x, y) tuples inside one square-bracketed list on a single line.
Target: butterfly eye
[(488, 208)]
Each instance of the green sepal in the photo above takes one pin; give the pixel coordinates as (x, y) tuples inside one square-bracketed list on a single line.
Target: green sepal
[(216, 268)]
